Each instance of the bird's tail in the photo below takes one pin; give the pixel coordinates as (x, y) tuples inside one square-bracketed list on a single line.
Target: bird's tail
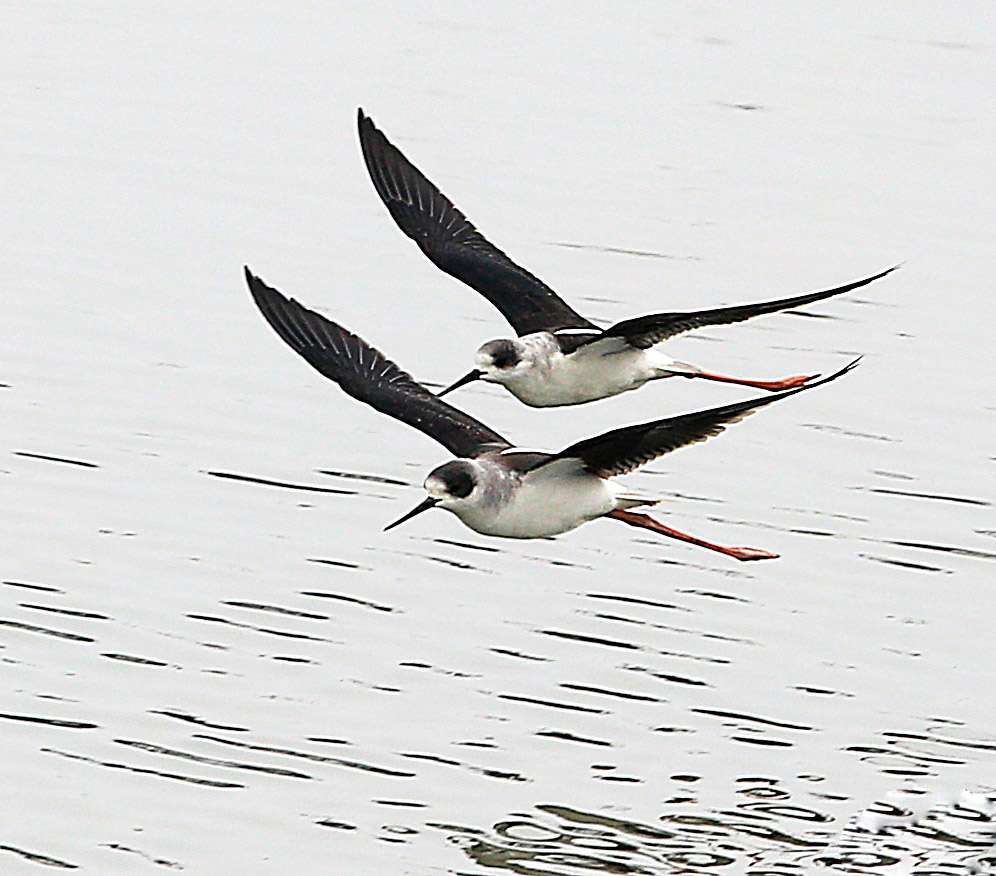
[(625, 501)]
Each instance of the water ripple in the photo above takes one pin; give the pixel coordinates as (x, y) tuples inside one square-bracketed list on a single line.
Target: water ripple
[(767, 837), (344, 597), (630, 646), (64, 460), (960, 500), (849, 433), (371, 478), (51, 722), (66, 611), (668, 677), (131, 658), (713, 594), (152, 859), (617, 618), (946, 549), (484, 771), (619, 250), (152, 748), (38, 858), (519, 655), (446, 561), (211, 783), (46, 631), (276, 609), (339, 563), (288, 634), (573, 737), (905, 564), (44, 588), (338, 825), (754, 719), (551, 704), (634, 600), (286, 485), (591, 640), (605, 692), (193, 719), (314, 758)]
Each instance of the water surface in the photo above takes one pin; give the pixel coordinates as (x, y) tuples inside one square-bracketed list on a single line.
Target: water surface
[(217, 662)]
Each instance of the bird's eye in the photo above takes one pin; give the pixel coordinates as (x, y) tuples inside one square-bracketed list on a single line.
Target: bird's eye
[(504, 354), (460, 483)]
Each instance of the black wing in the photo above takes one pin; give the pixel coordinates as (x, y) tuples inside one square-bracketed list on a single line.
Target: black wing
[(454, 245), (645, 331), (369, 376), (625, 449)]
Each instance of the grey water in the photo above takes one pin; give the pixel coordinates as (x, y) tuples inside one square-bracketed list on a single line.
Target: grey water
[(213, 659)]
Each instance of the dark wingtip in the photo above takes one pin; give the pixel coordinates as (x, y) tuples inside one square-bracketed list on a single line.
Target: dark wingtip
[(256, 284), (878, 276), (365, 125), (811, 384), (265, 296), (852, 364), (840, 372)]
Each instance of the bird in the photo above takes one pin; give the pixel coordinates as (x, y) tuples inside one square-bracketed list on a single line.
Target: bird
[(492, 486), (558, 357)]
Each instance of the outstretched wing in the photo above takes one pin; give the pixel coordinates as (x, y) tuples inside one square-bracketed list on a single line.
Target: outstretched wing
[(645, 331), (625, 449), (454, 245), (369, 376)]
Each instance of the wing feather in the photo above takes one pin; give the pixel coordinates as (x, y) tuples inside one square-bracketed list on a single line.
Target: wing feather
[(369, 376), (454, 245), (625, 449), (645, 331)]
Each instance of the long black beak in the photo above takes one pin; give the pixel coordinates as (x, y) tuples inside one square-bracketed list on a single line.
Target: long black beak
[(463, 381), (418, 509)]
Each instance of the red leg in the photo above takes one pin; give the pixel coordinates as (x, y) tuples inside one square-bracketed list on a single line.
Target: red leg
[(646, 522), (772, 385)]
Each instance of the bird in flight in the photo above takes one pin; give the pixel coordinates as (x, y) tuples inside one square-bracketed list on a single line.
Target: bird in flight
[(558, 356), (494, 487)]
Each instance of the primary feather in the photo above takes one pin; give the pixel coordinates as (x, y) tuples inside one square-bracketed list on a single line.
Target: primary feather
[(368, 375), (629, 447)]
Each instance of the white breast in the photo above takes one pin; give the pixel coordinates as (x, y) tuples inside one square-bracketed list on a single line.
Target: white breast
[(553, 499), (592, 372)]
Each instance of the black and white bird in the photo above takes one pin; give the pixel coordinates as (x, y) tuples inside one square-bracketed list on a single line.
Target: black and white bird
[(559, 357), (494, 487)]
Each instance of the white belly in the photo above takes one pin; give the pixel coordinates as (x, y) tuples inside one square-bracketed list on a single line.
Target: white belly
[(585, 375), (547, 502)]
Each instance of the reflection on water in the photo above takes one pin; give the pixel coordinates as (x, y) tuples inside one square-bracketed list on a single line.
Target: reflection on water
[(763, 831), (642, 253)]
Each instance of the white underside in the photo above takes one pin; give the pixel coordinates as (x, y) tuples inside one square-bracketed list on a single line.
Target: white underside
[(592, 372), (553, 499)]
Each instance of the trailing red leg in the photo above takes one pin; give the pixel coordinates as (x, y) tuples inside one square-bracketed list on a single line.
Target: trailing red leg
[(771, 385), (646, 522)]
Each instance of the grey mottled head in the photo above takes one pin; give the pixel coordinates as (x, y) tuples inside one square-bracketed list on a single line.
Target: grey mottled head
[(496, 362), (448, 486), (500, 355), (451, 481)]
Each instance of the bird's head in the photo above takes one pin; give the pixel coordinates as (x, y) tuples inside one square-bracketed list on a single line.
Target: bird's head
[(450, 486), (496, 362)]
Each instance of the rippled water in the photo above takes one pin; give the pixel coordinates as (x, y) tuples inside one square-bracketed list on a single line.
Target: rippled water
[(216, 662)]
